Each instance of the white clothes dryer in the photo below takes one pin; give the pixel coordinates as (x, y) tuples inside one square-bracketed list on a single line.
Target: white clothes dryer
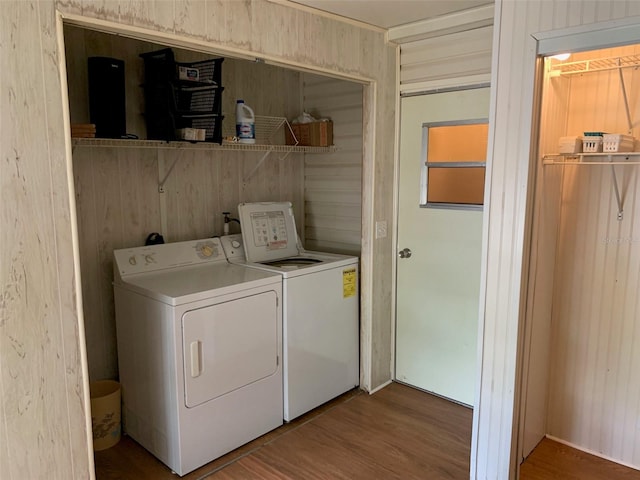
[(199, 350), (320, 305)]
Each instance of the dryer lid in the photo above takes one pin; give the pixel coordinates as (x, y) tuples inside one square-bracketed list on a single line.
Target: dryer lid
[(268, 231)]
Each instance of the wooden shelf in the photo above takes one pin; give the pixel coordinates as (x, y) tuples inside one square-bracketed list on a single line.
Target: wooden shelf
[(161, 144)]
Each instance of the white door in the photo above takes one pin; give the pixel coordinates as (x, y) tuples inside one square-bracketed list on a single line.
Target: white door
[(438, 285)]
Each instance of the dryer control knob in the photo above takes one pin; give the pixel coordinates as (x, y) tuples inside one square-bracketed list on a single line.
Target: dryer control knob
[(235, 244)]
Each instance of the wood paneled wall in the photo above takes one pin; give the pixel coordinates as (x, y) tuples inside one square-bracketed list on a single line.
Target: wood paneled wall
[(510, 172), (45, 427), (333, 181), (594, 392)]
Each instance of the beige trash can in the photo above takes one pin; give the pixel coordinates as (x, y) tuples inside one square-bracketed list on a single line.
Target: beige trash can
[(105, 413)]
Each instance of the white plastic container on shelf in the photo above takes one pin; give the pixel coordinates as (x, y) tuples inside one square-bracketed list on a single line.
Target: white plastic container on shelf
[(245, 123), (592, 144), (617, 142)]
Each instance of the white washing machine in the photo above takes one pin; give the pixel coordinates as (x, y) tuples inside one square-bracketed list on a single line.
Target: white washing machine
[(320, 305), (199, 350)]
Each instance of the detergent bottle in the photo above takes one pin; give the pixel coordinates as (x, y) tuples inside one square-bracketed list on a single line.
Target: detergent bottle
[(245, 123)]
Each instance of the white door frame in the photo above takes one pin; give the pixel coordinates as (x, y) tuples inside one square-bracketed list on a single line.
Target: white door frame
[(579, 38)]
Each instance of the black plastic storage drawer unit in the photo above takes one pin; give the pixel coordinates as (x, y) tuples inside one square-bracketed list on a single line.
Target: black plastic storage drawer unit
[(182, 95)]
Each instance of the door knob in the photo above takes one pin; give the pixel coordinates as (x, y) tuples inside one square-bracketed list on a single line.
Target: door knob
[(404, 253)]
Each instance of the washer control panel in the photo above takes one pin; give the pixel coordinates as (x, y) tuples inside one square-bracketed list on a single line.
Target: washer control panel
[(232, 246), (130, 261)]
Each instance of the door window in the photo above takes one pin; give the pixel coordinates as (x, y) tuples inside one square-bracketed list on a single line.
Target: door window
[(454, 164)]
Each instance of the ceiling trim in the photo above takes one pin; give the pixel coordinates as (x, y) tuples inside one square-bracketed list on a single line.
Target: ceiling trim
[(446, 85), (443, 25), (333, 16), (593, 36)]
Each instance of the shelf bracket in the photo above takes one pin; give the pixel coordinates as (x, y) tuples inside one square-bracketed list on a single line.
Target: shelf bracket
[(617, 192), (257, 166), (261, 161), (266, 128), (626, 100), (167, 175), (553, 160)]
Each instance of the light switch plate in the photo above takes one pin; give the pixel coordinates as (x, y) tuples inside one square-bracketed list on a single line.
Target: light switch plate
[(381, 229)]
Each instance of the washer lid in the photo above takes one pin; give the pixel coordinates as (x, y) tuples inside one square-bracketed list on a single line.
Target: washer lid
[(268, 231)]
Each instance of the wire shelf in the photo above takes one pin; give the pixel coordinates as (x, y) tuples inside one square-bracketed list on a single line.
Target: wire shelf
[(268, 130), (600, 158), (595, 65), (177, 145)]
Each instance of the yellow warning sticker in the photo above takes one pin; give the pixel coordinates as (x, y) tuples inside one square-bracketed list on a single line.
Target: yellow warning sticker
[(349, 285)]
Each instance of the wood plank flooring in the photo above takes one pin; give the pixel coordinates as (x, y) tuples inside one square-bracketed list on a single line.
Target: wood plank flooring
[(399, 432), (388, 435), (554, 460)]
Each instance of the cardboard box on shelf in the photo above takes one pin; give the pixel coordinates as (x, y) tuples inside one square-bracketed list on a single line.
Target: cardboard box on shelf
[(191, 134), (83, 130), (316, 134)]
